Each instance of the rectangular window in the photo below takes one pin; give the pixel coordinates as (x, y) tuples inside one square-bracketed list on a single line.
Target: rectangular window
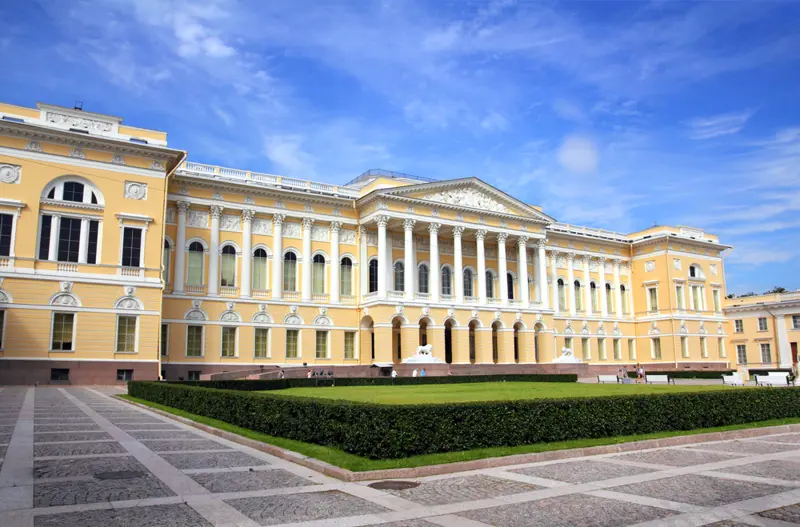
[(703, 347), (766, 355), (261, 343), (653, 296), (193, 375), (124, 375), (59, 374), (44, 238), (6, 225), (91, 248), (601, 349), (617, 350), (126, 334), (63, 326), (657, 348), (164, 340), (194, 341), (587, 352), (349, 345), (685, 347), (568, 343), (741, 353), (631, 349), (322, 345), (697, 298), (228, 342), (195, 267), (716, 299), (292, 336), (131, 247), (738, 326), (795, 321), (227, 274), (762, 324), (679, 296), (721, 348), (69, 239), (2, 327)]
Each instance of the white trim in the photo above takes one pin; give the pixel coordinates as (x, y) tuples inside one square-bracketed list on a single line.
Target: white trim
[(135, 334), (235, 340), (82, 163), (268, 329), (299, 343), (74, 331), (682, 253), (78, 309), (202, 339)]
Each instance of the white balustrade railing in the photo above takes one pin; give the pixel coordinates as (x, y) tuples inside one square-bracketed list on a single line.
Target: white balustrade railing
[(347, 299), (71, 268), (229, 290), (291, 295), (396, 294), (194, 289), (319, 297), (422, 296), (260, 293)]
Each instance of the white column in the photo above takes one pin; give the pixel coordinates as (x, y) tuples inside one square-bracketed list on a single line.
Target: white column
[(334, 287), (587, 297), (617, 292), (83, 244), (52, 250), (458, 265), (277, 255), (522, 271), (554, 280), (602, 286), (180, 249), (479, 236), (213, 259), (571, 282), (306, 279), (502, 268), (784, 348), (362, 261), (408, 258), (382, 255), (629, 291), (246, 279), (435, 273), (541, 281)]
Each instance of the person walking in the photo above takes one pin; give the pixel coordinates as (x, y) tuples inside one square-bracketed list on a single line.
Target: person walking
[(640, 375), (422, 373), (394, 374), (414, 373)]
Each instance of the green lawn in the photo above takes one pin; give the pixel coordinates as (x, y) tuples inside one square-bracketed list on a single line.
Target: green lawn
[(484, 391)]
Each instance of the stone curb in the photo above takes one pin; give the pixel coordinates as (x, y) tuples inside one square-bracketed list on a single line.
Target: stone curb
[(477, 464)]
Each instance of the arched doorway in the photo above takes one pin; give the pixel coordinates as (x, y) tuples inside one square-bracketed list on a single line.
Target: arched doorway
[(368, 336), (448, 342), (397, 340), (472, 326), (537, 329), (517, 328), (423, 332), (495, 343)]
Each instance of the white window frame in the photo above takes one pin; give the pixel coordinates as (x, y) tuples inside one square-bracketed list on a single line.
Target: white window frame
[(267, 277), (723, 353), (14, 222), (327, 344), (135, 335), (653, 354), (684, 347), (586, 348), (297, 271), (58, 196), (353, 275), (568, 343), (166, 274), (269, 342), (355, 345), (202, 341), (795, 321), (235, 342), (204, 252), (617, 349), (766, 324), (738, 325), (650, 308), (236, 264), (325, 272), (164, 340), (631, 349), (769, 351), (680, 296), (122, 227), (299, 344), (601, 348), (4, 314), (716, 297), (704, 347), (74, 331), (738, 356)]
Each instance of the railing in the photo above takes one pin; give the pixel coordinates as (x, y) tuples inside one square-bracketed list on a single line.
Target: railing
[(260, 293), (291, 295), (6, 261), (396, 294), (347, 299), (73, 268), (470, 299), (319, 297), (492, 300), (128, 271), (229, 290), (513, 302), (194, 289), (448, 297), (422, 296)]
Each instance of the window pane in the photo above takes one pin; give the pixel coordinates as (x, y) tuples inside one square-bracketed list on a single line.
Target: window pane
[(195, 275), (228, 342), (126, 334), (346, 277), (194, 341), (6, 222), (73, 191), (447, 288), (765, 353), (290, 272), (349, 345), (69, 236), (261, 342), (2, 325), (322, 345), (399, 276), (467, 282), (373, 276), (164, 340), (318, 275), (131, 247), (44, 238), (62, 331), (291, 343), (510, 286), (260, 271), (228, 271), (423, 278), (91, 252)]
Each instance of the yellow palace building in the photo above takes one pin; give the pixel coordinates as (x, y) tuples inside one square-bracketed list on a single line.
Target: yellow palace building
[(120, 259)]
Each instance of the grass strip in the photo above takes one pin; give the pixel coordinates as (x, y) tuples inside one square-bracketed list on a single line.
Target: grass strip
[(355, 463)]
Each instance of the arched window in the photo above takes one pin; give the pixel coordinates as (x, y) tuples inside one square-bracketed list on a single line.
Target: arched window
[(595, 298), (468, 282), (447, 285), (695, 271), (399, 276), (318, 275), (578, 296), (423, 278), (373, 276), (194, 276), (510, 285), (623, 298), (260, 269), (165, 262), (73, 189), (346, 276), (489, 284), (609, 298), (227, 275), (562, 294), (290, 272)]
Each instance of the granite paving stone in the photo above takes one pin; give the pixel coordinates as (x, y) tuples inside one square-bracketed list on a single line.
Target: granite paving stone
[(728, 523), (171, 446), (787, 469), (785, 438), (701, 490), (254, 480), (180, 515), (61, 468), (568, 511), (5, 438), (164, 434), (70, 436), (675, 457), (790, 513), (76, 427), (461, 488), (212, 460), (93, 491), (406, 523), (748, 447), (272, 510), (582, 471), (148, 426), (77, 449)]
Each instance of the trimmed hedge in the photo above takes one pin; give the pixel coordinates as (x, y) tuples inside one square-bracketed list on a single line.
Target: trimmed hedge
[(397, 431), (281, 384)]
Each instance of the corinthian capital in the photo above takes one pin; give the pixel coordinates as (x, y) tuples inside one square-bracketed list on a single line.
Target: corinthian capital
[(248, 215), (433, 228), (480, 234), (336, 226), (216, 211), (540, 243), (183, 207), (307, 223), (502, 237), (458, 231), (522, 240), (408, 224), (382, 221), (278, 219)]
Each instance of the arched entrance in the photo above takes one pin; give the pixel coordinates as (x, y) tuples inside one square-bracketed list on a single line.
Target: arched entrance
[(368, 336), (536, 340), (423, 331), (495, 343), (472, 326), (397, 340), (517, 328), (448, 342)]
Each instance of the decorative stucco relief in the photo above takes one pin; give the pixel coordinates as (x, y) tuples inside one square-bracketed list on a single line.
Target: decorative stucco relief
[(197, 218), (467, 197), (10, 173), (135, 190), (262, 226), (230, 222)]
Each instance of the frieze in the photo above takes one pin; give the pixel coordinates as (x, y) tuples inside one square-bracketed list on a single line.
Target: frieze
[(347, 237), (320, 233), (292, 230), (230, 222), (262, 226), (82, 123), (197, 218), (467, 197)]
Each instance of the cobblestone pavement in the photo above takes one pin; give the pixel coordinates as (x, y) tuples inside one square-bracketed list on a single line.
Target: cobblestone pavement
[(79, 457)]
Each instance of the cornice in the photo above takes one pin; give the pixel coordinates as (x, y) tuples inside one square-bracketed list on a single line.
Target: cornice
[(71, 204)]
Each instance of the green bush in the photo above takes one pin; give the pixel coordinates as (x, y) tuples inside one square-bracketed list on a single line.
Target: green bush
[(281, 384), (397, 431)]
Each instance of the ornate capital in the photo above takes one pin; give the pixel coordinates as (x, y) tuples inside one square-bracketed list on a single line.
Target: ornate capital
[(540, 243), (382, 221), (480, 234), (362, 231), (216, 211), (183, 207), (601, 260), (616, 262), (433, 228), (502, 237), (336, 226), (307, 223), (278, 219), (458, 231), (554, 256), (408, 224), (248, 215), (523, 241), (570, 257)]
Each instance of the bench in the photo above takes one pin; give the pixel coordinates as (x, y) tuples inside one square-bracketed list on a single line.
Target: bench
[(601, 379), (773, 378), (734, 379), (666, 379)]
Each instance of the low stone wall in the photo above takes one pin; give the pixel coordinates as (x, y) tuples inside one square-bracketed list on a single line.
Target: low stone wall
[(28, 372)]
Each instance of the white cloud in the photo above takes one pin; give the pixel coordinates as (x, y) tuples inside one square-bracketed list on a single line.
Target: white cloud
[(718, 125), (442, 39), (578, 154), (222, 114), (568, 110), (288, 157), (494, 122), (428, 115), (194, 38)]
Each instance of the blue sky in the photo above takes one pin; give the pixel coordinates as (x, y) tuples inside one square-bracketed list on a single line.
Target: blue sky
[(615, 115)]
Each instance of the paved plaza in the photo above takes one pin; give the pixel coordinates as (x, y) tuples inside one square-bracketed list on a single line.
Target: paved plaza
[(79, 457)]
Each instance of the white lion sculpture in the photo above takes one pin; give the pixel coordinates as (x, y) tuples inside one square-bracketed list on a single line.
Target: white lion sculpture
[(424, 350)]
